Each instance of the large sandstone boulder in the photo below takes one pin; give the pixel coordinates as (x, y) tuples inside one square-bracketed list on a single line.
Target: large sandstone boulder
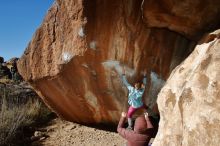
[(189, 103), (74, 59), (189, 17)]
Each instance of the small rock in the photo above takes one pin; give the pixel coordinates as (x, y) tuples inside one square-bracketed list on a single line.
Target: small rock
[(38, 133), (43, 138)]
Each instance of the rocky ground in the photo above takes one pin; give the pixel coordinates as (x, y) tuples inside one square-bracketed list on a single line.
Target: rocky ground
[(63, 133)]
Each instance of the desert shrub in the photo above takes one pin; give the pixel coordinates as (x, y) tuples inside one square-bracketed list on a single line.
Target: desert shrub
[(16, 114)]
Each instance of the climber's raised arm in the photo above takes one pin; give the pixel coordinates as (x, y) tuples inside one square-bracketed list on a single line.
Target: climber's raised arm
[(144, 79), (124, 80)]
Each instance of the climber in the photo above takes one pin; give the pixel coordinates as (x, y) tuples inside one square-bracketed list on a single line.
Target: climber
[(134, 96), (143, 131)]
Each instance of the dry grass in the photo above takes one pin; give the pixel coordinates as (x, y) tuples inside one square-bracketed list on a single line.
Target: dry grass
[(2, 80), (15, 116)]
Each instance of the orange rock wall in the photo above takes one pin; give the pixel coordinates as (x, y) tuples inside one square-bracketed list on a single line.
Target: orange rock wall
[(191, 18), (75, 57)]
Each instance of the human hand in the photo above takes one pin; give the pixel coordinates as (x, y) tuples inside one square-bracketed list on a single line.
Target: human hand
[(146, 114), (123, 114)]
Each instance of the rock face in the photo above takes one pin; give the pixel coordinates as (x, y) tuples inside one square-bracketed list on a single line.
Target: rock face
[(74, 60), (189, 103), (188, 17), (4, 70), (9, 71)]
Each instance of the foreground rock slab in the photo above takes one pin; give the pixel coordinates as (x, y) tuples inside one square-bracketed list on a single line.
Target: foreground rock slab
[(189, 103)]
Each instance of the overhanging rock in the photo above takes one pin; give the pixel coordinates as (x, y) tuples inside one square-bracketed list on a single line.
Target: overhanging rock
[(74, 59)]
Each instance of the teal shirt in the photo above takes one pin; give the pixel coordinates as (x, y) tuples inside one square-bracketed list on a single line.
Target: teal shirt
[(134, 95)]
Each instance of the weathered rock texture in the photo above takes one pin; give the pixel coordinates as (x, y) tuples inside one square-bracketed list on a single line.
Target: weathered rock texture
[(189, 103), (189, 17), (74, 60)]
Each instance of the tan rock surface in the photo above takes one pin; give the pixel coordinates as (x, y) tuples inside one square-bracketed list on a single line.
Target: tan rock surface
[(189, 103), (75, 57), (189, 17)]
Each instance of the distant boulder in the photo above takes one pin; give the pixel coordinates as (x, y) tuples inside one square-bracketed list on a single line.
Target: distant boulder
[(1, 59), (8, 69), (12, 61), (4, 71)]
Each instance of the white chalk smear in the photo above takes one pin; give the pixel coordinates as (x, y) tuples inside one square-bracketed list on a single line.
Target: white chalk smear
[(156, 84), (112, 64), (156, 80), (92, 45), (81, 32), (66, 57), (85, 65)]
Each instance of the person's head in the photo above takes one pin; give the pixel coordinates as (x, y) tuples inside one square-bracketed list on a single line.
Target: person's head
[(140, 125), (137, 85)]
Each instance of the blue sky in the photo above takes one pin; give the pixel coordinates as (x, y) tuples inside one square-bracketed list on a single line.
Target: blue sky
[(19, 19)]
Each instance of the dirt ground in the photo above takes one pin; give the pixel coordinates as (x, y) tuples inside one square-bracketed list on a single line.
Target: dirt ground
[(63, 133)]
